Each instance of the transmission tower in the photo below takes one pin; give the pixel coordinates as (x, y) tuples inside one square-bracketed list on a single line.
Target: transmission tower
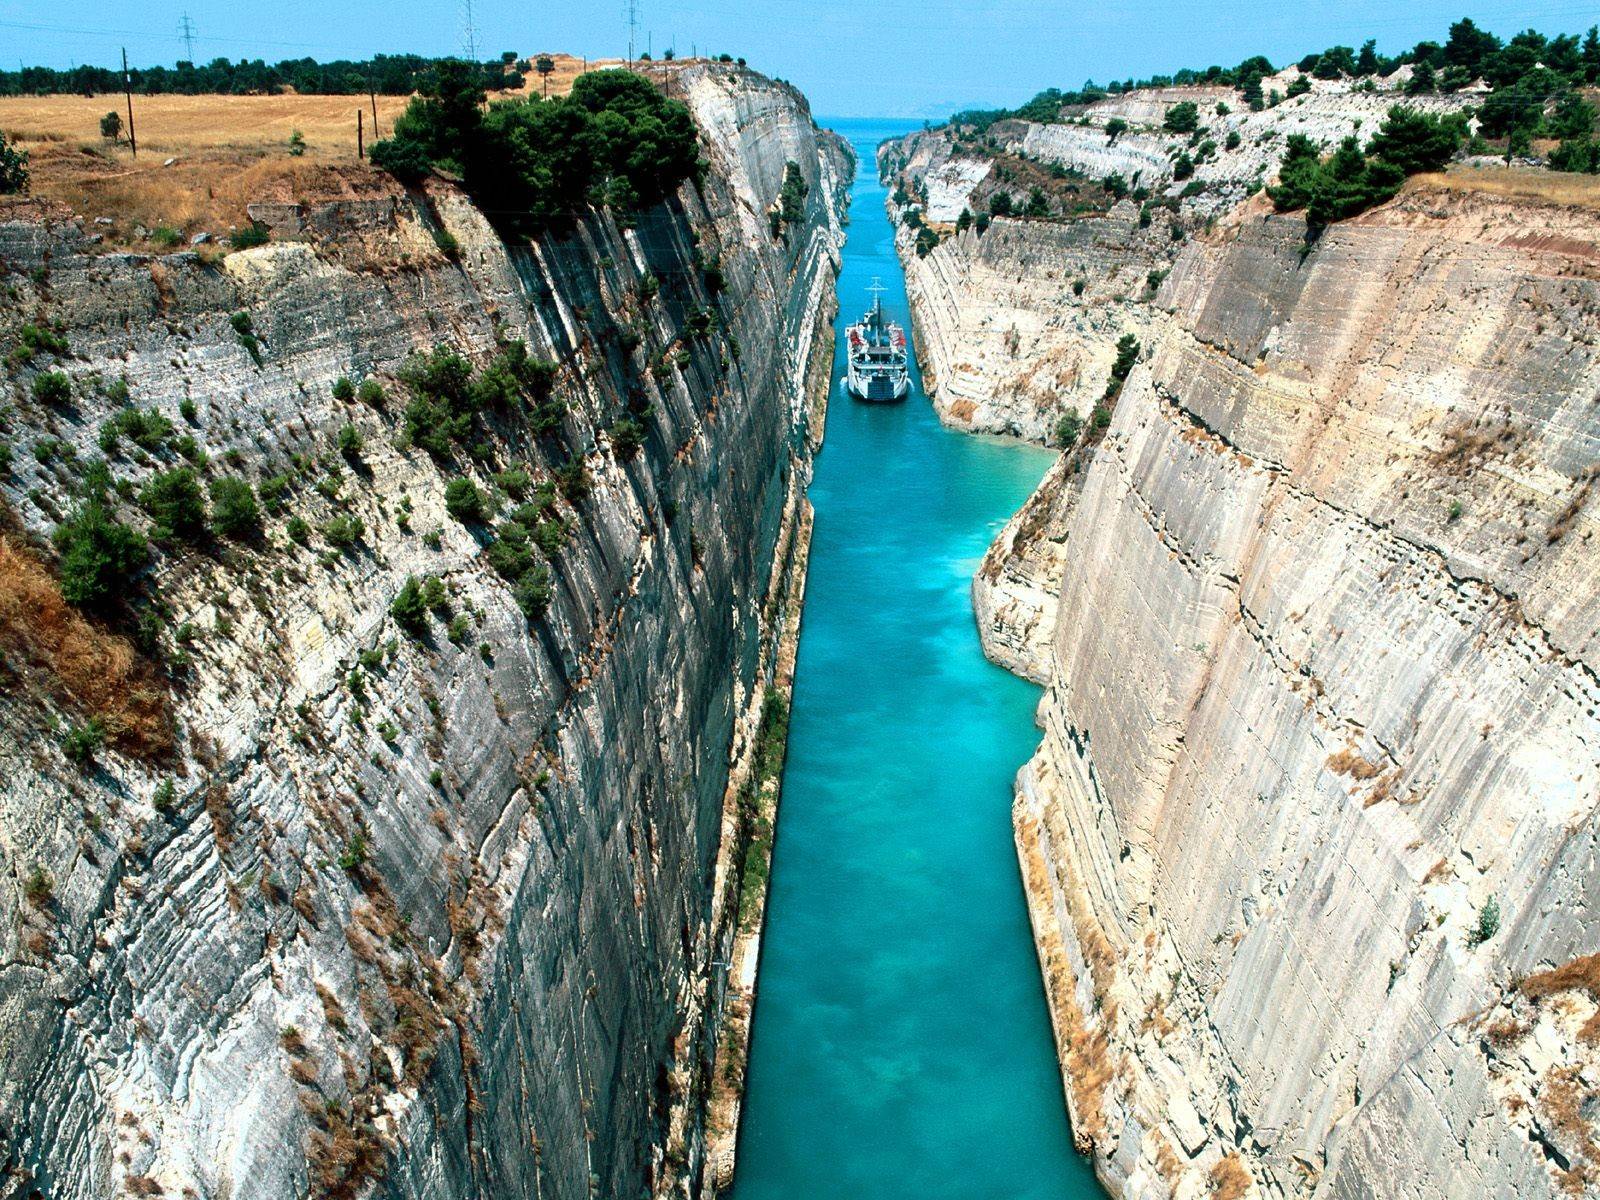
[(186, 30), (633, 26), (469, 32)]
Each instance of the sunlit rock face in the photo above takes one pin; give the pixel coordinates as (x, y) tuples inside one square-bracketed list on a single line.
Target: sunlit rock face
[(432, 915), (1310, 841)]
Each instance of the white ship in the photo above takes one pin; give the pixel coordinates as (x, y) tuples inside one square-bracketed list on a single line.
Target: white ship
[(875, 349)]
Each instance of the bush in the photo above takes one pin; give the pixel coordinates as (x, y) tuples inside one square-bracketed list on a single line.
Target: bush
[(234, 512), (534, 592), (13, 169), (463, 500), (1346, 184), (52, 387), (343, 390), (434, 594), (344, 531), (1068, 428), (534, 164), (403, 157), (1417, 141), (1182, 166), (165, 236), (99, 556), (111, 126), (1183, 117), (1488, 922), (1121, 367), (370, 392), (408, 608), (247, 238), (176, 507), (81, 742), (627, 436), (349, 441)]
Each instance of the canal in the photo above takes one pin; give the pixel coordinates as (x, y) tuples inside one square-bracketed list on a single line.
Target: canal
[(901, 1046)]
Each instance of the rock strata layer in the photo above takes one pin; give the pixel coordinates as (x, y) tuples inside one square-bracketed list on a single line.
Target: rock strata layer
[(432, 915), (1311, 841)]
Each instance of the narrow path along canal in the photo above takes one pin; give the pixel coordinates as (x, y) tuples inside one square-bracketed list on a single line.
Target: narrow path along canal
[(901, 1046)]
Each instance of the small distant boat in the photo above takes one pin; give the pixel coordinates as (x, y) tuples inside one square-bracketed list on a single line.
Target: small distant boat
[(876, 352)]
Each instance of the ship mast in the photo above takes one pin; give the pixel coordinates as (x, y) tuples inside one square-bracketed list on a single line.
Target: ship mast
[(877, 289)]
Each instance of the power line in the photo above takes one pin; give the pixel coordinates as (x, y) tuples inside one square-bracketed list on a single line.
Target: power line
[(469, 32)]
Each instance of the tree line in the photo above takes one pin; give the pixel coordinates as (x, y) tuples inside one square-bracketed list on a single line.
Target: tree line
[(1527, 76), (533, 164), (387, 74)]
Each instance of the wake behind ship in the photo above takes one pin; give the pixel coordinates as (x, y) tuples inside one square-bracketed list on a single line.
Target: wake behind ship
[(876, 352)]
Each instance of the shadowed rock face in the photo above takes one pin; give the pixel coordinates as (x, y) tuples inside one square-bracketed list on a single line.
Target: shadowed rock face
[(1321, 686), (435, 915)]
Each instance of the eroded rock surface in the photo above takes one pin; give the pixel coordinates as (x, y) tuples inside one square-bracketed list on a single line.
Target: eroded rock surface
[(432, 916), (1311, 841)]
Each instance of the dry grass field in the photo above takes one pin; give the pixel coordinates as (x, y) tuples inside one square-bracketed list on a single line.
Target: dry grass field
[(1517, 183), (202, 159)]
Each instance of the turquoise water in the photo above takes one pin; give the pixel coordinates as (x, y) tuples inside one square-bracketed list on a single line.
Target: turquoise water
[(901, 1045)]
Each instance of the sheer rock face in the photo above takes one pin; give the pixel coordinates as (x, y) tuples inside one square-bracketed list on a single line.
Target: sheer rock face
[(1321, 695), (1007, 345), (440, 921)]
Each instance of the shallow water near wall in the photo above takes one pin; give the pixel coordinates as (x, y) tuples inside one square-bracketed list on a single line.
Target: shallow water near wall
[(901, 1045)]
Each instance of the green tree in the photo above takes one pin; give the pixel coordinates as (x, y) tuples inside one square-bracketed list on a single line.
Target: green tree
[(463, 500), (234, 512), (1068, 427), (176, 507), (408, 608), (1416, 141), (111, 126), (13, 169), (99, 555), (1421, 82), (1182, 117)]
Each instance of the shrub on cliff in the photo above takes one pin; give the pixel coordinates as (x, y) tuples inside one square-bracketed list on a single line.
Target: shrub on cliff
[(234, 512), (1417, 141), (1352, 180), (176, 507), (408, 607), (1068, 427), (99, 555), (463, 500), (1183, 117), (13, 169)]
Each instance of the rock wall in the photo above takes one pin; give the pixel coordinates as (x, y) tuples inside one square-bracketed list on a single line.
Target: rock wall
[(1323, 694), (1311, 841), (1005, 342), (425, 916)]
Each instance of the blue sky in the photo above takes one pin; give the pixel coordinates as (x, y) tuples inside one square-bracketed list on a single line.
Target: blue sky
[(917, 58)]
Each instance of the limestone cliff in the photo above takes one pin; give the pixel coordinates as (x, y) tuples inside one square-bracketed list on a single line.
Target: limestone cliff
[(1311, 842), (351, 909)]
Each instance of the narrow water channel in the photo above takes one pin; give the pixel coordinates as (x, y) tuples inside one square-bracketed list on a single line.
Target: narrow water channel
[(901, 1045)]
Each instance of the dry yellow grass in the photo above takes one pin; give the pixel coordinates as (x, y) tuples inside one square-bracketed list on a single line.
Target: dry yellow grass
[(178, 125), (226, 152), (52, 647), (1517, 183)]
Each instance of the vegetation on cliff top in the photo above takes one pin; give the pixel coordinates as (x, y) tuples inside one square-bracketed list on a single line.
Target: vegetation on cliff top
[(533, 164), (1532, 87), (1352, 179)]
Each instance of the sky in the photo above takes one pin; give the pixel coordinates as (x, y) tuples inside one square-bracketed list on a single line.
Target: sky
[(885, 58)]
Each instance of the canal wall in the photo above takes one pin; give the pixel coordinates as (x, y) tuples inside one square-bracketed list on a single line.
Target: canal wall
[(426, 900), (1310, 841)]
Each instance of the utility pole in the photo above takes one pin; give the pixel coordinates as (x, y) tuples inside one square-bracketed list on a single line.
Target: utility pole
[(186, 28), (633, 28), (373, 96), (361, 148), (127, 90)]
